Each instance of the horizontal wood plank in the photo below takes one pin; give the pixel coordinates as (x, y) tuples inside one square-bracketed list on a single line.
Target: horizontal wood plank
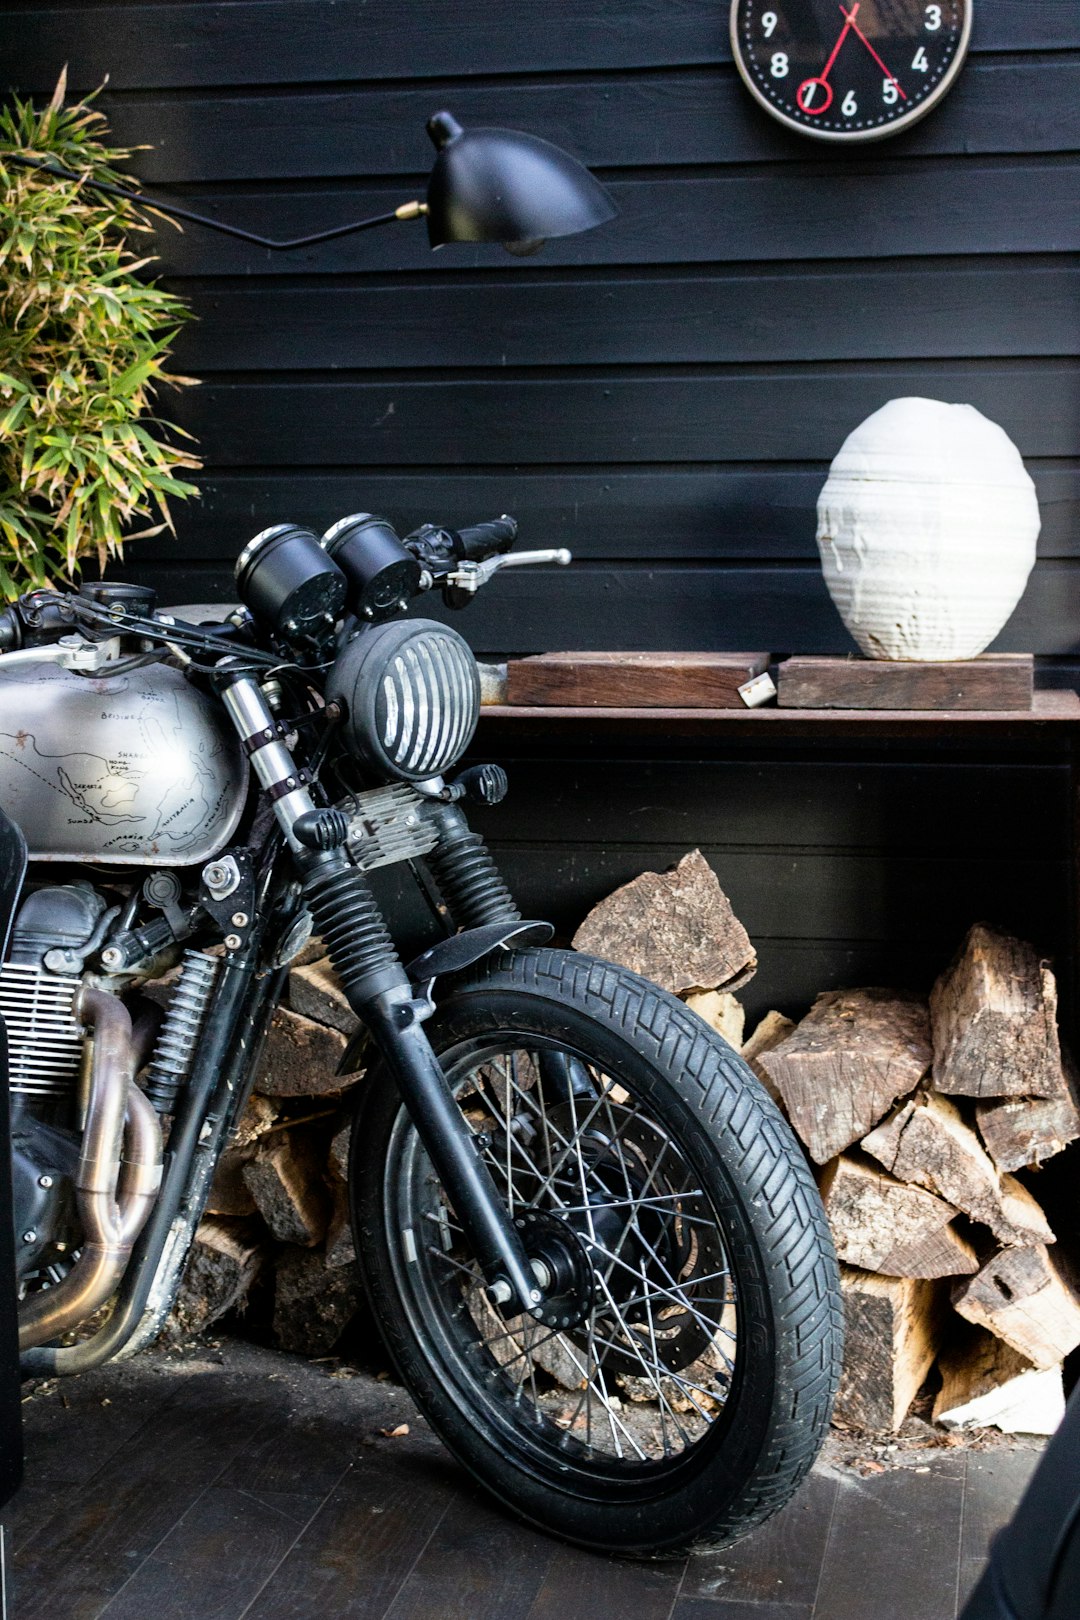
[(861, 311), (706, 118), (992, 681), (813, 210), (871, 805), (265, 42), (786, 609), (687, 679), (760, 512), (788, 414), (782, 895)]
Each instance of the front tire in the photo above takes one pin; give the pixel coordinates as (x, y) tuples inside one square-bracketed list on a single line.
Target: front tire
[(690, 1399)]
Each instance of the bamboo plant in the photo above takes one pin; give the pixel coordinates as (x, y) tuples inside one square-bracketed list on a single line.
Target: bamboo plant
[(84, 339)]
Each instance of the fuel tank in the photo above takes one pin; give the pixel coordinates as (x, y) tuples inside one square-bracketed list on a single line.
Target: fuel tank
[(129, 769)]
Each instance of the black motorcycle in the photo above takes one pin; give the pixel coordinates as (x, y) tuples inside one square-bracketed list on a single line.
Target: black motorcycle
[(594, 1249)]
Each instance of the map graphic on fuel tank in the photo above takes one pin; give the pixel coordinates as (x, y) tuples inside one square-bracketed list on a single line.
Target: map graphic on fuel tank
[(138, 767)]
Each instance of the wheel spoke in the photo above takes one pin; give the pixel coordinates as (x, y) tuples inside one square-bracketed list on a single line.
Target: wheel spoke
[(594, 1161)]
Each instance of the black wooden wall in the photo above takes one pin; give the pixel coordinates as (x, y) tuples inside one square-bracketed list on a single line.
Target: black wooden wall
[(663, 395)]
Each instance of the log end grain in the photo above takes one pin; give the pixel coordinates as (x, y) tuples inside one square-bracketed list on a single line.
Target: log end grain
[(301, 1058), (847, 1062), (676, 928), (893, 1328), (994, 1016)]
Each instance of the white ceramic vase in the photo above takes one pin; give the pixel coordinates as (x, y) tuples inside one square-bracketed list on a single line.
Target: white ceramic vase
[(927, 527)]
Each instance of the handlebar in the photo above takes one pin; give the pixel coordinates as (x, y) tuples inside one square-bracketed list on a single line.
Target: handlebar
[(484, 540), (457, 561)]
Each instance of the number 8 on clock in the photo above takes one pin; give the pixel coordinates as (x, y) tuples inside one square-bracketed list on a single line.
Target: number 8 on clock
[(849, 70)]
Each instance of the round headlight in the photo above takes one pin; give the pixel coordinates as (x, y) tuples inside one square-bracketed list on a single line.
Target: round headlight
[(411, 695)]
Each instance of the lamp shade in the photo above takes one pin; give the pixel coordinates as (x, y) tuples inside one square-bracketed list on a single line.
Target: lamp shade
[(497, 185)]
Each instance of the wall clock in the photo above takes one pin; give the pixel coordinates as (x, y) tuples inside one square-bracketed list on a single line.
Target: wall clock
[(849, 70)]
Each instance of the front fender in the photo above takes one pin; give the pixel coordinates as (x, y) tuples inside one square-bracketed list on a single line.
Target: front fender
[(452, 956)]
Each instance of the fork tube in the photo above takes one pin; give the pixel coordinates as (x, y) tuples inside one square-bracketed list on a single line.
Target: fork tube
[(441, 1126)]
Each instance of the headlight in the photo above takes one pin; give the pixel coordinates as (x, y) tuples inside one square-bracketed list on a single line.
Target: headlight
[(411, 695)]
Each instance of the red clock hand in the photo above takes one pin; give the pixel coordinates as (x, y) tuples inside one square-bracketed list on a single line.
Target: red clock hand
[(805, 92), (851, 23)]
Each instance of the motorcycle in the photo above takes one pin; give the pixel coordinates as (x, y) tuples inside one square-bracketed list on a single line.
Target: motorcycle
[(595, 1251)]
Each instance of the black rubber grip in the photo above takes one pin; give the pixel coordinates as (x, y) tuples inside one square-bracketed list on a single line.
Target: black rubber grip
[(485, 539)]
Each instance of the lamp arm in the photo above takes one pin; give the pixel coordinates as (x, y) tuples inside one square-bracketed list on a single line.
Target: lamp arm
[(407, 211)]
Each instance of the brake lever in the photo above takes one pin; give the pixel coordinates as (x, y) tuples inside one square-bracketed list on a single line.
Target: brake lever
[(470, 576)]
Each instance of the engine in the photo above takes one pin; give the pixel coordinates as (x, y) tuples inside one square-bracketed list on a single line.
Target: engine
[(55, 928)]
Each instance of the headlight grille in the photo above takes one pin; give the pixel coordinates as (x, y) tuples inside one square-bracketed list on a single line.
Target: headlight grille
[(427, 711), (412, 695)]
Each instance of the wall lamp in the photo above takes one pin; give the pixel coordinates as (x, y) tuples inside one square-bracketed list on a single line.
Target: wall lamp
[(487, 185)]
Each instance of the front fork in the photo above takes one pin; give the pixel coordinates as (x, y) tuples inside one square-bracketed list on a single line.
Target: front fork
[(380, 994)]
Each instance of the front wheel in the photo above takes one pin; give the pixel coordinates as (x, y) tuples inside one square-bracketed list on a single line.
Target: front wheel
[(689, 1394)]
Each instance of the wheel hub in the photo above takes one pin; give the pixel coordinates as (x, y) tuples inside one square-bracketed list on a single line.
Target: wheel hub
[(649, 1257), (554, 1245)]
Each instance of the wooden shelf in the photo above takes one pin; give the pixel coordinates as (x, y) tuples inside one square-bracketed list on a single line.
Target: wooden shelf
[(1051, 709)]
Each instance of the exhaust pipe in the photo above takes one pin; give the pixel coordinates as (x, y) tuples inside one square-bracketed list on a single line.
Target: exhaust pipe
[(117, 1179)]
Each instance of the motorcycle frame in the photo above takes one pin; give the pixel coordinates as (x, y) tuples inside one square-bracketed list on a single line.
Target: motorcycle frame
[(223, 1074)]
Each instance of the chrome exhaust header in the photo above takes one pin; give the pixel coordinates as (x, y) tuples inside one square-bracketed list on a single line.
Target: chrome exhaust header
[(117, 1179)]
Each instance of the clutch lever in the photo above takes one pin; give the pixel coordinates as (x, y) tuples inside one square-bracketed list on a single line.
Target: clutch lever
[(469, 576)]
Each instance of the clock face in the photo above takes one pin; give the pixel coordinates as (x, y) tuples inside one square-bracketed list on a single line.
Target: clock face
[(849, 70)]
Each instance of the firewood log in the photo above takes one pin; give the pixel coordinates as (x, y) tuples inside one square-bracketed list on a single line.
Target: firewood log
[(927, 1142), (844, 1066), (984, 1382), (229, 1192), (301, 1058), (772, 1029), (892, 1331), (994, 1017), (677, 928), (315, 992), (285, 1182), (1022, 1131), (225, 1259), (881, 1224), (1023, 1297), (313, 1303), (721, 1011)]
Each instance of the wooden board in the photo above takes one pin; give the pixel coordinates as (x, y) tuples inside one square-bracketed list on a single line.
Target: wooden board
[(768, 415), (579, 320), (262, 41), (693, 680), (993, 681), (374, 129)]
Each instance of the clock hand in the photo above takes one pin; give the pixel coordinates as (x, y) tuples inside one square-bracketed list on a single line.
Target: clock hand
[(851, 23), (804, 94)]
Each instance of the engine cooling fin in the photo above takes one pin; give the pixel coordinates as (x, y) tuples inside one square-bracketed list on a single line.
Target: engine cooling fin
[(45, 1040), (386, 825)]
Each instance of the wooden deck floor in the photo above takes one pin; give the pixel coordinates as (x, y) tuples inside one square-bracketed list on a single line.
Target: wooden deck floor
[(242, 1483)]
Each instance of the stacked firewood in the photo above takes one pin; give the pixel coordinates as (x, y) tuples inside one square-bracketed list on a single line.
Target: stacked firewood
[(277, 1223), (918, 1116), (926, 1121)]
